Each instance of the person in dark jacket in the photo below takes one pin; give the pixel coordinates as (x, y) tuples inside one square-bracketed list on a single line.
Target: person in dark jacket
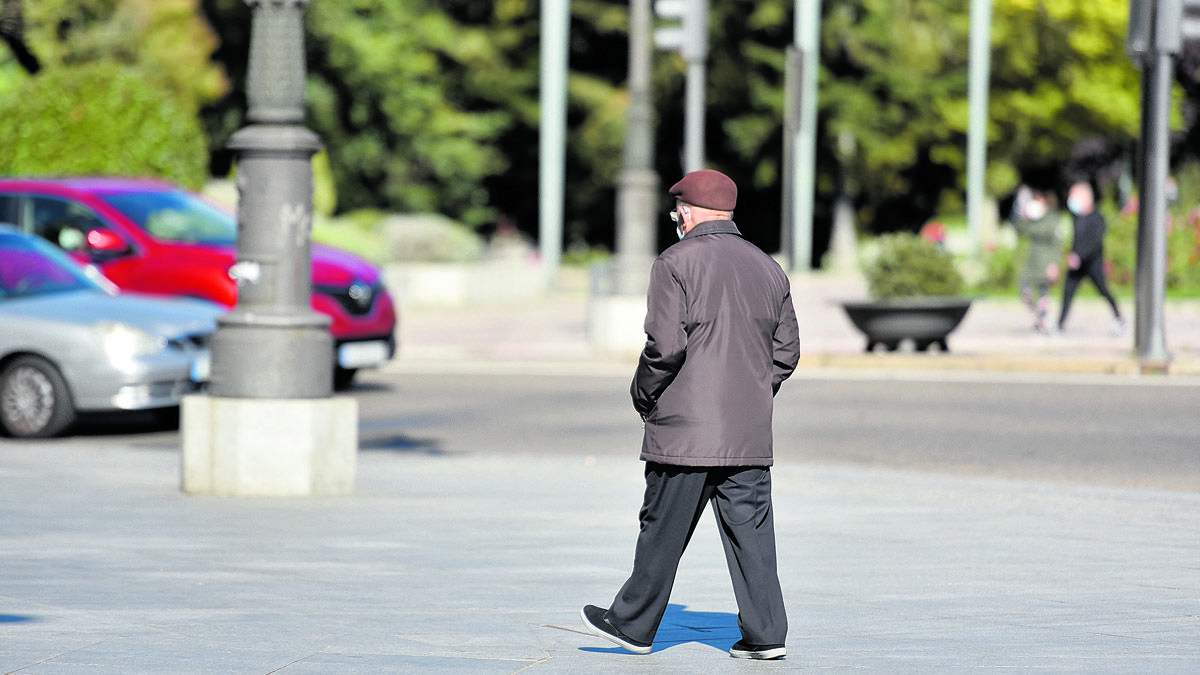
[(721, 337), (1086, 258)]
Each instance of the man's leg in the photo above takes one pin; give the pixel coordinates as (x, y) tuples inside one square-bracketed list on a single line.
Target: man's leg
[(1069, 285), (675, 499), (742, 503), (1095, 271)]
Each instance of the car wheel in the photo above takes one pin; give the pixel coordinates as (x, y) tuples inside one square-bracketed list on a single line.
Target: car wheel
[(342, 377), (34, 400)]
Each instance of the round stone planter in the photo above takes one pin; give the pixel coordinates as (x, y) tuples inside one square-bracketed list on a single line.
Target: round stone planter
[(923, 321)]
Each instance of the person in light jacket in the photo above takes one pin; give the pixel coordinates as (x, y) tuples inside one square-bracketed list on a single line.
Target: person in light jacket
[(1036, 219), (721, 337)]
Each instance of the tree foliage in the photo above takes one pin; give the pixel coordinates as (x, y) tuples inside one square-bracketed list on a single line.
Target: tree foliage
[(1060, 77), (895, 85), (99, 118), (167, 42), (432, 105), (118, 90), (405, 100)]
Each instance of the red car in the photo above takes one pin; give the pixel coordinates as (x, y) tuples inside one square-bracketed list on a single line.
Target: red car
[(154, 237)]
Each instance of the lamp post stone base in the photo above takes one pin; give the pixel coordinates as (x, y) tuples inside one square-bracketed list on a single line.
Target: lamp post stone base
[(615, 324), (242, 447)]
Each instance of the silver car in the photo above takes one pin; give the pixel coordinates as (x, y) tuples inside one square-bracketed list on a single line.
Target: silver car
[(70, 343)]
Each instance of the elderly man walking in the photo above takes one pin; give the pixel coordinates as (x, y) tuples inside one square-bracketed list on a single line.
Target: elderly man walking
[(721, 336)]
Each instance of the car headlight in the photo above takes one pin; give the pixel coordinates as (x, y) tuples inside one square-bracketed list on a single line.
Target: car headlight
[(122, 341)]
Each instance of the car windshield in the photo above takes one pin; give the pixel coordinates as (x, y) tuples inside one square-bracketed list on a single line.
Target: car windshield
[(30, 266), (176, 216)]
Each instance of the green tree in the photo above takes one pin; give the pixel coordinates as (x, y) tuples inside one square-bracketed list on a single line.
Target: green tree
[(896, 80), (118, 91), (433, 104), (99, 118), (167, 42), (390, 92), (1060, 76)]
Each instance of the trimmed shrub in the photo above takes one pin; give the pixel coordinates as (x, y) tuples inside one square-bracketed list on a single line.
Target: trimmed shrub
[(907, 265), (100, 119)]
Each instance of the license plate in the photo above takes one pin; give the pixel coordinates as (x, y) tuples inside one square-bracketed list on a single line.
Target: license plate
[(202, 367), (362, 354)]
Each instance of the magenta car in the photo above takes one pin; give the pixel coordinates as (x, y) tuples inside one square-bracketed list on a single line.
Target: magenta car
[(153, 237)]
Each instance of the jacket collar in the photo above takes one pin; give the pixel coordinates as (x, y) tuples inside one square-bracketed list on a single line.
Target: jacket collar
[(713, 227)]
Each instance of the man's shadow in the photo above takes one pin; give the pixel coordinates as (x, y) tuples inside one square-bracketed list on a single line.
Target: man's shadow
[(680, 626)]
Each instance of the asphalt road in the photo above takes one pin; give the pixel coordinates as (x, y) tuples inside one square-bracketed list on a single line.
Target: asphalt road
[(1095, 430), (1115, 431)]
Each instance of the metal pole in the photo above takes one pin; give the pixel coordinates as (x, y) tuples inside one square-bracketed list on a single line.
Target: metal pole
[(694, 129), (694, 49), (637, 187), (556, 23), (979, 66), (272, 345), (1157, 76), (791, 137), (807, 38)]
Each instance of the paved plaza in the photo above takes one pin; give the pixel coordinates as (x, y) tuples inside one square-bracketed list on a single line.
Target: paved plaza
[(469, 561)]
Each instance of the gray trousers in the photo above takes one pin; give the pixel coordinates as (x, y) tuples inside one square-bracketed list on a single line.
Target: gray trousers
[(675, 499)]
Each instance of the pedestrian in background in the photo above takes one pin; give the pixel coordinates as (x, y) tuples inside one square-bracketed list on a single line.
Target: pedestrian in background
[(721, 336), (1086, 258), (1035, 218)]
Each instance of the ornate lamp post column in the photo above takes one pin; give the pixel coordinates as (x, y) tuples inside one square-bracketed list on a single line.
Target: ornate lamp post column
[(270, 426), (273, 345)]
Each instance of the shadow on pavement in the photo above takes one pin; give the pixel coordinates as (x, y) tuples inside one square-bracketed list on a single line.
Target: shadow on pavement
[(681, 626), (403, 444)]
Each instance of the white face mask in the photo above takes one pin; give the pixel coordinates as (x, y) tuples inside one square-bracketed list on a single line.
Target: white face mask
[(678, 225), (1073, 205), (1035, 210)]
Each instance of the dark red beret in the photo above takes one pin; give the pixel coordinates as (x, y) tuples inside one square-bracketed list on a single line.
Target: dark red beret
[(708, 189)]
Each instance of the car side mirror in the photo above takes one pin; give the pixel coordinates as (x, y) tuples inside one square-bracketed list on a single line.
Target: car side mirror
[(106, 244)]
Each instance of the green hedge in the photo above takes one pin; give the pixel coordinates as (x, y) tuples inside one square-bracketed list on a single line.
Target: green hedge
[(907, 265), (101, 119)]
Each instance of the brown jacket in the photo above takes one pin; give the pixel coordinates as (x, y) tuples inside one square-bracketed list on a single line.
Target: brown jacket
[(721, 336)]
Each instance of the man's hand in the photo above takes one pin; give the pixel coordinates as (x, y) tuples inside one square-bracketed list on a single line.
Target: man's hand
[(1073, 260)]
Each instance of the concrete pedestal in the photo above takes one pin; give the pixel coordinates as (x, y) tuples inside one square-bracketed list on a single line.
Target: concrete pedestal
[(269, 447), (616, 323)]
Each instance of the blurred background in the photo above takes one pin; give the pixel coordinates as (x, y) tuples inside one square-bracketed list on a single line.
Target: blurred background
[(429, 113)]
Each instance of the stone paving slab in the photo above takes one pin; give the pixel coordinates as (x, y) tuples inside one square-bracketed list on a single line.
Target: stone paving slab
[(464, 562)]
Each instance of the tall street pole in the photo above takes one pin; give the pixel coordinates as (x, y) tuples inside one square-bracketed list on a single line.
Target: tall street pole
[(800, 134), (552, 144), (637, 184), (690, 38), (695, 94), (979, 67), (1154, 38)]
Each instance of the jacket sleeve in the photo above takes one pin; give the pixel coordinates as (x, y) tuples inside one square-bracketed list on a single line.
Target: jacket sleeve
[(785, 343), (666, 340)]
